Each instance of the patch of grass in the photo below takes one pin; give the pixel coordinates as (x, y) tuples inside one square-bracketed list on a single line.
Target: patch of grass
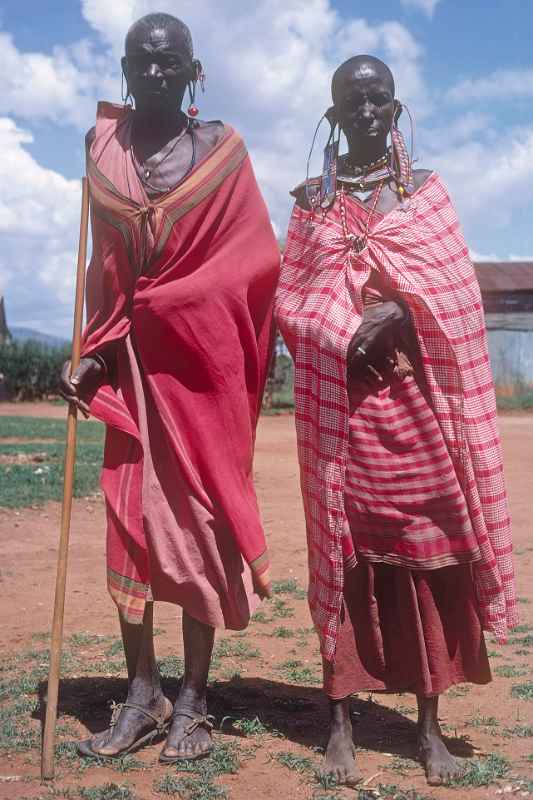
[(42, 428), (289, 586), (483, 722), (510, 671), (458, 691), (494, 654), (261, 617), (282, 633), (521, 731), (281, 610), (116, 648), (230, 648), (296, 763), (109, 791), (524, 691), (84, 639), (188, 788), (251, 727), (483, 771), (403, 765), (389, 791), (523, 641), (34, 483), (170, 667), (295, 672)]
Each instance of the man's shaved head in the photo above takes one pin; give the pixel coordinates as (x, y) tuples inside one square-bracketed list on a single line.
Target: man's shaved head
[(178, 33), (361, 67)]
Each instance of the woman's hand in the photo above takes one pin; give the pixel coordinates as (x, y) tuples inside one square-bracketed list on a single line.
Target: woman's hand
[(83, 382), (373, 346)]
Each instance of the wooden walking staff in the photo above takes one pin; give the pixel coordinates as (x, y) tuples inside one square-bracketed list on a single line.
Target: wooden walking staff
[(47, 758)]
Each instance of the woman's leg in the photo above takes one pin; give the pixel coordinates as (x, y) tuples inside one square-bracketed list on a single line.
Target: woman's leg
[(439, 763), (340, 753), (144, 689), (198, 640)]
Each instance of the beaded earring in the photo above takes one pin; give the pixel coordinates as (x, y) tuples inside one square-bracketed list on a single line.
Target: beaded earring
[(193, 110)]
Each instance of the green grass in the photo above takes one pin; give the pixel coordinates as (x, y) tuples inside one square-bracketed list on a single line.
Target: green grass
[(483, 771), (524, 691), (483, 722), (34, 483), (289, 586), (280, 609), (109, 791), (283, 633), (170, 667), (388, 791), (230, 648), (295, 672), (510, 671), (521, 731), (294, 762)]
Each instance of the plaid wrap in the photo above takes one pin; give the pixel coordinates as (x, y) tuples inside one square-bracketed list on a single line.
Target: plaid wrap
[(420, 252)]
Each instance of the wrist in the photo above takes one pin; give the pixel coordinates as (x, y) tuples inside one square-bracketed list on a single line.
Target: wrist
[(101, 361)]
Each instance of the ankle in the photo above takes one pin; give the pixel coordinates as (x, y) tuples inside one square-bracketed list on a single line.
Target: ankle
[(144, 692), (193, 696)]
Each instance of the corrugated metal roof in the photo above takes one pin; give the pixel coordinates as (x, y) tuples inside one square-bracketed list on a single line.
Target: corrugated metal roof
[(505, 276)]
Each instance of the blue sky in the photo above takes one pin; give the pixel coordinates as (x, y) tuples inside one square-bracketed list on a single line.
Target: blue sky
[(464, 68)]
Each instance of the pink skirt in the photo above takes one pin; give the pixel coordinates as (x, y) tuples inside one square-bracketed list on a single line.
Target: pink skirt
[(407, 630)]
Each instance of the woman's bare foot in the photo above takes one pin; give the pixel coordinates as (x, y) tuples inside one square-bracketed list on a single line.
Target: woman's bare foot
[(441, 767), (340, 763)]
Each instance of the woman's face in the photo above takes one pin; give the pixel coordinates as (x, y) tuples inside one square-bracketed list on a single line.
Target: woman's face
[(364, 102), (158, 68)]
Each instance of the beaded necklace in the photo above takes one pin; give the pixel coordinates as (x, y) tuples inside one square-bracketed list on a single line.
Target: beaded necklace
[(366, 177), (357, 244)]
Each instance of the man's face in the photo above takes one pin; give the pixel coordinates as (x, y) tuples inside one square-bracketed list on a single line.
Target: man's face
[(157, 67), (364, 102)]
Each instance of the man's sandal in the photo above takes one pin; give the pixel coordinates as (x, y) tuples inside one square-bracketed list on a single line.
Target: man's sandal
[(197, 721), (161, 725)]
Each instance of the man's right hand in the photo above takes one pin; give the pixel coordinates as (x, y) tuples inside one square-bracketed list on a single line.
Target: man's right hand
[(83, 382)]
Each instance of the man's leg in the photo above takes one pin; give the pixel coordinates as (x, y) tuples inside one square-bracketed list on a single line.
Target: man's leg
[(198, 642), (439, 763), (144, 689), (340, 753)]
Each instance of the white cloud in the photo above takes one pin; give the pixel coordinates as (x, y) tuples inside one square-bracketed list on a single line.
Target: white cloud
[(39, 220), (503, 84), (479, 257), (426, 6)]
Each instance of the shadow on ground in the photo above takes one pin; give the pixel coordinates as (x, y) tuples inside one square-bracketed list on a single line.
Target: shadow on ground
[(298, 713)]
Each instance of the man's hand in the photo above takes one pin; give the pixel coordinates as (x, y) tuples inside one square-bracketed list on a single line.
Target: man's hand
[(372, 348), (84, 381)]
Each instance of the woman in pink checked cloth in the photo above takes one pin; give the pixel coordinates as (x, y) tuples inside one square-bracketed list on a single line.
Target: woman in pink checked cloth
[(407, 520)]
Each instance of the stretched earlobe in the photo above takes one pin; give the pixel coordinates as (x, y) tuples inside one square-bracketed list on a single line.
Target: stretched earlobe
[(398, 108), (331, 116)]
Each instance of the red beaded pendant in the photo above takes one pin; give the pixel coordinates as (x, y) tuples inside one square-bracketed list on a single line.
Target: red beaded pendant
[(192, 111)]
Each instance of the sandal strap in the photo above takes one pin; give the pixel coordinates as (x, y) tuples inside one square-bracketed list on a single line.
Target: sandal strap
[(206, 721), (117, 710)]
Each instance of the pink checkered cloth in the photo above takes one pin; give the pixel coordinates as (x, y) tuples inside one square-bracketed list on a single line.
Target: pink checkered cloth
[(420, 253)]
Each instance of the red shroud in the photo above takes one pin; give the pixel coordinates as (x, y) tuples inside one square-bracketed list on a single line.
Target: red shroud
[(419, 251), (190, 277)]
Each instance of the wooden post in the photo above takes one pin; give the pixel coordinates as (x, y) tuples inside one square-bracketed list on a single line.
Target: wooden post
[(47, 757)]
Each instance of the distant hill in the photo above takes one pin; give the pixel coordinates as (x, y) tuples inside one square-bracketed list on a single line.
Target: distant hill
[(25, 334)]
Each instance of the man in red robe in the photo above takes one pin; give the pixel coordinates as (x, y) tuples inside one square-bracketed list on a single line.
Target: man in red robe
[(175, 356)]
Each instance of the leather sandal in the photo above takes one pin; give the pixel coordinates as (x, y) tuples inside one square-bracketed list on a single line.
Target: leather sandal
[(161, 725), (197, 721)]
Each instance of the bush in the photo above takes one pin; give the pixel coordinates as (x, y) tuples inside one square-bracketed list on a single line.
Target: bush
[(31, 370)]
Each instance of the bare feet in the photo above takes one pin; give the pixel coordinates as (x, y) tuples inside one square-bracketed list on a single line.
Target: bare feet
[(340, 754), (188, 737), (130, 725), (441, 767)]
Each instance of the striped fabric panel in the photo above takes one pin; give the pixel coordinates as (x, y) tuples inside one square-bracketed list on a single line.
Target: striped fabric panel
[(420, 253)]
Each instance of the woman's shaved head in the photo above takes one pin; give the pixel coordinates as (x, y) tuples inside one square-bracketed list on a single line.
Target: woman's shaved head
[(361, 67)]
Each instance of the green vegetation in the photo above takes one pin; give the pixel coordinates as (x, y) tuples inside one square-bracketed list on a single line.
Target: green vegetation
[(483, 771), (295, 762), (510, 671), (31, 473), (289, 586), (32, 369), (524, 691), (109, 791), (295, 672)]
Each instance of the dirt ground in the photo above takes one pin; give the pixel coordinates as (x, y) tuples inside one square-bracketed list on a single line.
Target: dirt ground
[(478, 720)]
